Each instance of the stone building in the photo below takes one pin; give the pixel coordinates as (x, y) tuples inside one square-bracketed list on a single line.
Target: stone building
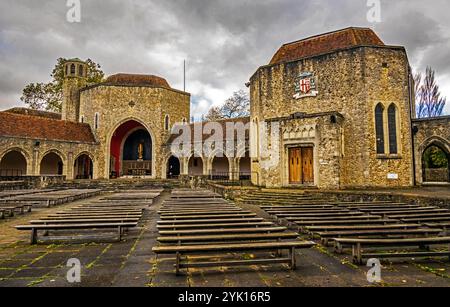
[(341, 104), (330, 111)]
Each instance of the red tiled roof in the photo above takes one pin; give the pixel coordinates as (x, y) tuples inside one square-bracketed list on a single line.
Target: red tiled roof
[(26, 111), (326, 43), (137, 80), (40, 128)]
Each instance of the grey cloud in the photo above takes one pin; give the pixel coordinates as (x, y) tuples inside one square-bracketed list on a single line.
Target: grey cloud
[(224, 41)]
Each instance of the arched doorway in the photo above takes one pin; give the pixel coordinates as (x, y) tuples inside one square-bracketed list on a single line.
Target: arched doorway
[(83, 167), (131, 151), (51, 164), (173, 167), (220, 168), (245, 168), (195, 166), (13, 164), (436, 165)]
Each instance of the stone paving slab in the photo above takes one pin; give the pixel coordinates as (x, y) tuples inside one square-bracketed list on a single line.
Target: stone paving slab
[(131, 263)]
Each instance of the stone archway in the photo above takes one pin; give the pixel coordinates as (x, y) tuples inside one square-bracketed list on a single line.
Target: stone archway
[(195, 166), (83, 167), (51, 165), (220, 168), (13, 163), (436, 164), (173, 167), (131, 150)]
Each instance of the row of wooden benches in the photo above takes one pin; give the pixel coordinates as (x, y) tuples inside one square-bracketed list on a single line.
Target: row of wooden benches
[(199, 223), (370, 225), (21, 204), (51, 198), (102, 214)]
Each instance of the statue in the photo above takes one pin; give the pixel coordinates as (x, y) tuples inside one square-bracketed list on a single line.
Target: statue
[(140, 152)]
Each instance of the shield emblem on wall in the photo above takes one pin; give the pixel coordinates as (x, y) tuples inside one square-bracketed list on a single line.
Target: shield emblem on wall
[(305, 85)]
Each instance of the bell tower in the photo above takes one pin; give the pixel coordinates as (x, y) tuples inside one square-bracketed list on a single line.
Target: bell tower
[(75, 78)]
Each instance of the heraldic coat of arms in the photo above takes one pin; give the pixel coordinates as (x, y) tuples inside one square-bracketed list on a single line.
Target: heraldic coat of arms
[(305, 86)]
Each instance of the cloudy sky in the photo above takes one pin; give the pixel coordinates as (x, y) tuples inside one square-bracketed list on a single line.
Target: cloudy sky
[(223, 41)]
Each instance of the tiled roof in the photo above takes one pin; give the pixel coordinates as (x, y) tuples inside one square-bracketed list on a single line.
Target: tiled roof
[(25, 111), (40, 128), (137, 80), (326, 43)]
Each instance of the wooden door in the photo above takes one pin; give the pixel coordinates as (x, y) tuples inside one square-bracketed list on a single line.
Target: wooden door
[(307, 165), (295, 166)]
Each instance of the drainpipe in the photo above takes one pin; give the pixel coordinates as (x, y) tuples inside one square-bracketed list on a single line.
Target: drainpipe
[(412, 116)]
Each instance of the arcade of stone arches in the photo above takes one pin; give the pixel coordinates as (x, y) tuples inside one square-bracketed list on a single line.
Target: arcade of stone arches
[(16, 162), (131, 155)]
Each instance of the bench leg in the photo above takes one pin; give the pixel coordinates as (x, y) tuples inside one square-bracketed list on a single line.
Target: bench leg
[(339, 249), (293, 260), (177, 264), (120, 232), (357, 256), (33, 236)]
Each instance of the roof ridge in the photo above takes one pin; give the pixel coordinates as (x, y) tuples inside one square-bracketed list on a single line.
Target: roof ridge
[(328, 33)]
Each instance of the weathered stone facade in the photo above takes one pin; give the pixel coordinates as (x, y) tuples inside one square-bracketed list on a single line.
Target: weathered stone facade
[(339, 104), (34, 151), (116, 105), (350, 82), (430, 132)]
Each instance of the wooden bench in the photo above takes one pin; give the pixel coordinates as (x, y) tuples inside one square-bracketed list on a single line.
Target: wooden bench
[(230, 220), (83, 221), (221, 231), (203, 212), (425, 219), (423, 243), (228, 238), (359, 227), (424, 215), (327, 236), (318, 215), (215, 225), (214, 216), (444, 225), (406, 213), (302, 224), (97, 216), (334, 218), (35, 228), (389, 211), (182, 262), (299, 207), (307, 211)]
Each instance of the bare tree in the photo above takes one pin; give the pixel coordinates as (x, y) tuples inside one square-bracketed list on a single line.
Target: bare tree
[(429, 101), (236, 106)]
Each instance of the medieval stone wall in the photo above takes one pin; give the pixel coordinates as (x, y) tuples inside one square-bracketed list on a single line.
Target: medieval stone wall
[(430, 131), (350, 82), (67, 151), (115, 105)]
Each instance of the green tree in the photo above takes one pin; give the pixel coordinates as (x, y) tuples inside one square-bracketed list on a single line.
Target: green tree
[(48, 96)]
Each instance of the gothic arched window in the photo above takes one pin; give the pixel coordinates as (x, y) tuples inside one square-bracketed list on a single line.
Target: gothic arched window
[(72, 69), (80, 70), (392, 125), (379, 128)]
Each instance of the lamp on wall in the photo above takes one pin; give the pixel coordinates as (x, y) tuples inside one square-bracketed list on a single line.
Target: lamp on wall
[(37, 144)]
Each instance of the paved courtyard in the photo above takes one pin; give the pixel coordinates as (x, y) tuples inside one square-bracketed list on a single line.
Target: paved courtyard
[(131, 263)]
